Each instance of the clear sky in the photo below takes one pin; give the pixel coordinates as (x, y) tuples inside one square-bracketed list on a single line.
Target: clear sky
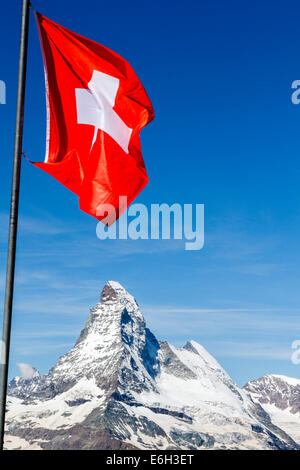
[(226, 134)]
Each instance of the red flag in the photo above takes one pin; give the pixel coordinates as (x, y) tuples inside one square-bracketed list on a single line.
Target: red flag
[(96, 107)]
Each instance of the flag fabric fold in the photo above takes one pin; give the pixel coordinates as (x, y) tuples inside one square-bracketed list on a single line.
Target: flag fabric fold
[(96, 107)]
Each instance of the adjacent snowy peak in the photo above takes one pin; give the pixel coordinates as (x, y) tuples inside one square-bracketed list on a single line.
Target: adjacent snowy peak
[(289, 380), (24, 385), (206, 358), (281, 391), (280, 397), (118, 386), (27, 371)]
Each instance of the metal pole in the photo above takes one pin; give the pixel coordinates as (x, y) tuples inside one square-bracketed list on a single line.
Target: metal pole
[(13, 222)]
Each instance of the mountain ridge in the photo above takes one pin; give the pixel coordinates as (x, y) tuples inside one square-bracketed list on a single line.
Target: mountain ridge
[(119, 383), (279, 395)]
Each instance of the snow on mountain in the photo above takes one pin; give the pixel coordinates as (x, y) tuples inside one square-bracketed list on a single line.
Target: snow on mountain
[(119, 388), (280, 398), (25, 384)]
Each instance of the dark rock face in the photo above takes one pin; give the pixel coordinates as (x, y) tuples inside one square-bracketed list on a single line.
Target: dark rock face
[(75, 438), (173, 364), (119, 388), (108, 294), (276, 390), (279, 398)]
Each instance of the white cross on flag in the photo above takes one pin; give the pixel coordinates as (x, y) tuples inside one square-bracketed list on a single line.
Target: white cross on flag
[(95, 107)]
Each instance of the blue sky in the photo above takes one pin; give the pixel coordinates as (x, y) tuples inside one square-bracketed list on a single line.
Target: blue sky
[(226, 134)]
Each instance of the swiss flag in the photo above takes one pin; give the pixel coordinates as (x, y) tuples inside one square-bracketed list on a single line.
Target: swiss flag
[(96, 107)]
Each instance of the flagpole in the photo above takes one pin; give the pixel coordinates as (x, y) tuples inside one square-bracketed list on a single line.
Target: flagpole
[(13, 221)]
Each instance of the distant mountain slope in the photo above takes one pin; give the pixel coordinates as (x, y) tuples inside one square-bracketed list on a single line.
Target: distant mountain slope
[(118, 387), (280, 398)]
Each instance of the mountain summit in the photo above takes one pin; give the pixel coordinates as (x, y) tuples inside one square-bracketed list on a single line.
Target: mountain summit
[(280, 397), (119, 388)]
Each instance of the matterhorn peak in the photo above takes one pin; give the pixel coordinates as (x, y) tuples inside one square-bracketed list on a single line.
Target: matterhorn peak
[(114, 344), (108, 294), (119, 386), (114, 292)]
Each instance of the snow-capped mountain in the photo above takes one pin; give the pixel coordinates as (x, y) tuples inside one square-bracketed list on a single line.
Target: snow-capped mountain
[(24, 386), (280, 398), (118, 387)]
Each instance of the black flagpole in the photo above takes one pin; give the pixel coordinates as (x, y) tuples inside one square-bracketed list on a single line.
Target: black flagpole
[(13, 221)]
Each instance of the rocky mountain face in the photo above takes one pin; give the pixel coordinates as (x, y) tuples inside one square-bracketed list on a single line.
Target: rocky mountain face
[(120, 388), (23, 387), (280, 398)]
